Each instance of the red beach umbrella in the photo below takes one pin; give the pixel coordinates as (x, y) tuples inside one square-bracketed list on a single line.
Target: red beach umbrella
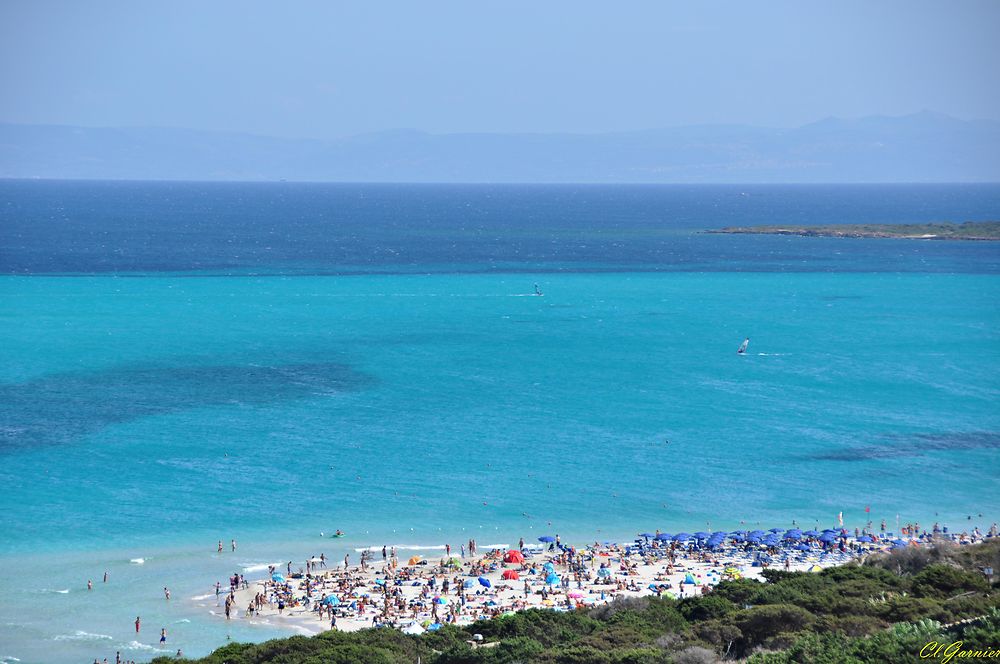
[(511, 575), (513, 556)]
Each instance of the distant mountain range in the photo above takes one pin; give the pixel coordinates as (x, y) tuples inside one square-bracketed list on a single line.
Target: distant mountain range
[(923, 147)]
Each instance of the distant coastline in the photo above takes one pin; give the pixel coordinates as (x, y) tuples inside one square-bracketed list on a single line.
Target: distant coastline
[(970, 230)]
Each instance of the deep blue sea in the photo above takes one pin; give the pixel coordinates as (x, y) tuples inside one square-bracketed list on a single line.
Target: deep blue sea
[(184, 362)]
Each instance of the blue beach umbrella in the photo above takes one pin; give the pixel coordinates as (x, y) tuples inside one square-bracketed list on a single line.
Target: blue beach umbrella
[(604, 572), (440, 601), (682, 537), (433, 627), (468, 583), (775, 530), (549, 567), (701, 534), (801, 547), (552, 579), (792, 536), (331, 600), (483, 581), (865, 538), (663, 537), (757, 533), (546, 538), (278, 578), (811, 533)]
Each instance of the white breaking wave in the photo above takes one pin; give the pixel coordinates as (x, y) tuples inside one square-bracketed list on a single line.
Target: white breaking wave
[(81, 635), (137, 561), (135, 645), (259, 567), (7, 659), (48, 590), (198, 598)]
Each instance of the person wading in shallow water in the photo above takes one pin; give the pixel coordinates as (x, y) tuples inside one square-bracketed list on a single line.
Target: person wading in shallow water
[(138, 623)]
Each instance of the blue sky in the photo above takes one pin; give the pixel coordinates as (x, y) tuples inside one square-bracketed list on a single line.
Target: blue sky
[(329, 69)]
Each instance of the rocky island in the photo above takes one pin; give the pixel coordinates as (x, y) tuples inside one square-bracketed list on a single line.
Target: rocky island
[(970, 230)]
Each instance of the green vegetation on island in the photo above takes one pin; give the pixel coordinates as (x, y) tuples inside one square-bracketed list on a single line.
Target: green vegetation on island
[(970, 230), (908, 605)]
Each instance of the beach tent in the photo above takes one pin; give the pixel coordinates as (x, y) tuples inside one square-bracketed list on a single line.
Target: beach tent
[(413, 629), (440, 600), (604, 572), (454, 562), (815, 568), (513, 556), (433, 627), (552, 579), (689, 579), (484, 582), (413, 560), (278, 578), (549, 567), (511, 575), (469, 583)]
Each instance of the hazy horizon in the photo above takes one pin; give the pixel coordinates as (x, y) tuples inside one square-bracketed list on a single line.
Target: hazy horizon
[(317, 70)]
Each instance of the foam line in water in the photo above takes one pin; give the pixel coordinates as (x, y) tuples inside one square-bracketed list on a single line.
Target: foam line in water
[(137, 561), (259, 567), (135, 645), (81, 635)]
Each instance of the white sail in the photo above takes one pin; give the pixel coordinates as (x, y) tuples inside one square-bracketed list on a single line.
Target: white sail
[(743, 346)]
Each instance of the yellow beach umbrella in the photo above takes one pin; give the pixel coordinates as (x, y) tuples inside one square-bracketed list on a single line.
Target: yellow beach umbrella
[(413, 561)]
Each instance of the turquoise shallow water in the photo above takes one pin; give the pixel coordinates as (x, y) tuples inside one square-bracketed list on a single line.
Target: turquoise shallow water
[(266, 364), (420, 409)]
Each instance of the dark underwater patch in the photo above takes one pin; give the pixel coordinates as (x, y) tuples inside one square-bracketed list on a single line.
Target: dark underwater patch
[(913, 445), (61, 408)]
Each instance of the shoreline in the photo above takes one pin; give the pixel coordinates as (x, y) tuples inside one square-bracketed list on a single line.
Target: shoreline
[(982, 231), (416, 594)]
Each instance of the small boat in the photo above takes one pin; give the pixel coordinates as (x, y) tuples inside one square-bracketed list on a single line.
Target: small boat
[(743, 346)]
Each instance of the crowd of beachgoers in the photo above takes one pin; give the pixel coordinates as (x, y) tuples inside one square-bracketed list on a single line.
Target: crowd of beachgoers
[(416, 594)]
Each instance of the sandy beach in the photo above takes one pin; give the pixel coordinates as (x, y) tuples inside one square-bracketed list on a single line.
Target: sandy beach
[(414, 593)]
